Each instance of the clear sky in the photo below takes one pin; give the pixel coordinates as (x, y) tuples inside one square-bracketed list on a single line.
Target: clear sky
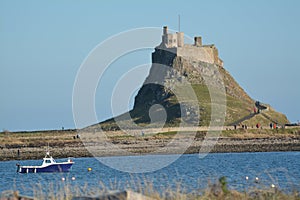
[(43, 43)]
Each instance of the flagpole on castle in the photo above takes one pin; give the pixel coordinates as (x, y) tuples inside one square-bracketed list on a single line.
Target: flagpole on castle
[(178, 23)]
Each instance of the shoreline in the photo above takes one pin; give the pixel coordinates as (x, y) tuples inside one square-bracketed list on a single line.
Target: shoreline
[(223, 145), (67, 143)]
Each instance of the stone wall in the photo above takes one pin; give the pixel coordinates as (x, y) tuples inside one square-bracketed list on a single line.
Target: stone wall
[(197, 52), (208, 53), (170, 40)]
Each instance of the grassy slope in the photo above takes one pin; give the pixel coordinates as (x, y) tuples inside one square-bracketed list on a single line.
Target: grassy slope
[(235, 109)]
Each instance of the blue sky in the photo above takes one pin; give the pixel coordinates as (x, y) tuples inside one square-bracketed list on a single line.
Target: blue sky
[(43, 43)]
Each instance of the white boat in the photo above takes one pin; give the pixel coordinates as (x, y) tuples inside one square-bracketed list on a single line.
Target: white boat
[(48, 165)]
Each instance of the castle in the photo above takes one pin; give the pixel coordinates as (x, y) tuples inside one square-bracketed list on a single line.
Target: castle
[(197, 51)]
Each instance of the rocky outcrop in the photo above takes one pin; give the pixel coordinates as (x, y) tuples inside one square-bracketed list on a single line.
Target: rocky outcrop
[(170, 72), (168, 68)]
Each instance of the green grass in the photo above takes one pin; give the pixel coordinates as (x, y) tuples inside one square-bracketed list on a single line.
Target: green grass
[(171, 133), (37, 138), (266, 132)]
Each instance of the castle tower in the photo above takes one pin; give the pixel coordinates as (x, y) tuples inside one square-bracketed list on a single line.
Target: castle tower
[(198, 51), (165, 30), (198, 41), (180, 39), (169, 40)]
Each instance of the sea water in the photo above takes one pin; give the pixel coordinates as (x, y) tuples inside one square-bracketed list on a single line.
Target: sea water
[(281, 169)]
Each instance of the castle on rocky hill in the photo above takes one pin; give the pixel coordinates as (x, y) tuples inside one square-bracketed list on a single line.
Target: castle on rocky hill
[(197, 51), (176, 66)]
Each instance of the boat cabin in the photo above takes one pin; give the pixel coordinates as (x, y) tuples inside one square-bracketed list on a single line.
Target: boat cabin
[(48, 160)]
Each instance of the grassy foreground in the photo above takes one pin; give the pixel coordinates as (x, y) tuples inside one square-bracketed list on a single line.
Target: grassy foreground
[(146, 191)]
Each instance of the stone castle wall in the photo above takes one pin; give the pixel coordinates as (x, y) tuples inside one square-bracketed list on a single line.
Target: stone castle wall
[(197, 51), (207, 54)]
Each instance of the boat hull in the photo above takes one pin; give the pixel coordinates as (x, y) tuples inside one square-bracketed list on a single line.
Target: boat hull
[(66, 167)]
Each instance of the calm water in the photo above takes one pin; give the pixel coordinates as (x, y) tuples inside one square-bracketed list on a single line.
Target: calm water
[(280, 168)]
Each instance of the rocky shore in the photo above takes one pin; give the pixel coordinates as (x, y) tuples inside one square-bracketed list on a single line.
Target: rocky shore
[(22, 146)]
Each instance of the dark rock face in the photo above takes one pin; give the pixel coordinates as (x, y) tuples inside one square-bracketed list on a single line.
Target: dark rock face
[(155, 91)]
